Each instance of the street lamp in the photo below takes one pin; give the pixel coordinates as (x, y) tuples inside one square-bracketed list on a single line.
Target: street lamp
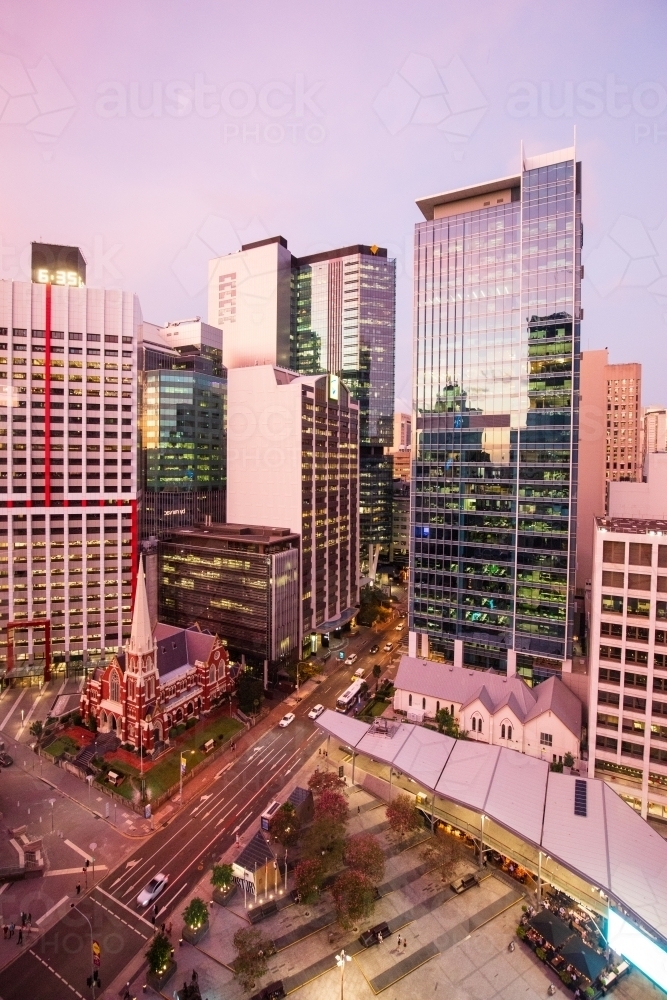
[(92, 960), (340, 962), (52, 802), (181, 772)]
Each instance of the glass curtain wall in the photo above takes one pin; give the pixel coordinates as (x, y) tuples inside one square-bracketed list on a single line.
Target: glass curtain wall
[(496, 361)]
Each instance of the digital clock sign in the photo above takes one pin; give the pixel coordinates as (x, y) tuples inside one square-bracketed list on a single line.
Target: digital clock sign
[(58, 265)]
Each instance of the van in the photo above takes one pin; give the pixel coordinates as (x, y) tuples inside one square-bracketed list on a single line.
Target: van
[(359, 672), (352, 658)]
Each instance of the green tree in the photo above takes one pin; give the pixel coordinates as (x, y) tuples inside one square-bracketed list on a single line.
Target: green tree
[(37, 729), (403, 816), (324, 842), (322, 781), (253, 950), (568, 760), (221, 876), (448, 724), (377, 673), (364, 854), (308, 876), (285, 825), (159, 954), (374, 605), (195, 913), (354, 897), (249, 689)]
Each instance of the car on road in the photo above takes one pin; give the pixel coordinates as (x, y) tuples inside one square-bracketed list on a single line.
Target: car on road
[(400, 627), (461, 884), (374, 649), (376, 934), (287, 720), (316, 711), (5, 759), (388, 646), (352, 658), (152, 890)]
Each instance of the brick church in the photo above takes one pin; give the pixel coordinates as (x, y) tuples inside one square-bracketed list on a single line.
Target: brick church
[(164, 676)]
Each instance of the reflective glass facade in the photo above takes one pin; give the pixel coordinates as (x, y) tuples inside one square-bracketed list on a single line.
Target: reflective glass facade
[(343, 321), (497, 310)]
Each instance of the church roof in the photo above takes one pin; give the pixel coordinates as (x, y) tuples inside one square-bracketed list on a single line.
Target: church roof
[(178, 647), (141, 636)]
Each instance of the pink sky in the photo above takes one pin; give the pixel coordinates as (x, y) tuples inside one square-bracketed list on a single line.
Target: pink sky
[(153, 133)]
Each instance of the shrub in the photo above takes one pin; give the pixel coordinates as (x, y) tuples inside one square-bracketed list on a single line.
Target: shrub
[(565, 977), (589, 992), (173, 733), (92, 723), (37, 729), (159, 954), (195, 913), (568, 760), (541, 954), (252, 949), (221, 876), (363, 853), (76, 719), (354, 897), (190, 723), (557, 767), (403, 816), (521, 932), (308, 877)]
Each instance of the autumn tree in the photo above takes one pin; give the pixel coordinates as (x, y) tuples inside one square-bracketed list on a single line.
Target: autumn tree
[(322, 781), (354, 897), (364, 854), (332, 807), (403, 816), (285, 825), (253, 950), (308, 876)]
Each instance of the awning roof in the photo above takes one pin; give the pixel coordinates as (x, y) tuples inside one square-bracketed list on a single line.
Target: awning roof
[(611, 847)]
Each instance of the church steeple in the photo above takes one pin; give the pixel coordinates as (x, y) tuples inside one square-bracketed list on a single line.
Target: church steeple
[(141, 637)]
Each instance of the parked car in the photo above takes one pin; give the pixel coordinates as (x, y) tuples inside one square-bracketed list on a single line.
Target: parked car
[(287, 720), (5, 759), (152, 890), (461, 884), (274, 991), (352, 658), (388, 646), (372, 936), (374, 649), (316, 711)]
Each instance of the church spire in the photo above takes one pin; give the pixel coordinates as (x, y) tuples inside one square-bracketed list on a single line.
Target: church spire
[(141, 637)]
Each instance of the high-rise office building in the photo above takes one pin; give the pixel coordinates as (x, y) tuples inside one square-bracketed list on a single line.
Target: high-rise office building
[(183, 402), (293, 460), (654, 436), (68, 507), (624, 426), (497, 324), (327, 312)]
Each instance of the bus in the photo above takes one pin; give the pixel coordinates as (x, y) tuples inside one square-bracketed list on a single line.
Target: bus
[(345, 702)]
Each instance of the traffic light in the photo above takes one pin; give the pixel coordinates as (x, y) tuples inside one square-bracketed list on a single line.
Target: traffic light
[(341, 771)]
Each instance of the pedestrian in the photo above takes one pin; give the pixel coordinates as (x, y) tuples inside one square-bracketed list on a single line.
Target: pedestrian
[(19, 940), (78, 888), (153, 919), (358, 810), (380, 938), (11, 929), (399, 940), (30, 920), (405, 942), (195, 977), (169, 929), (22, 919)]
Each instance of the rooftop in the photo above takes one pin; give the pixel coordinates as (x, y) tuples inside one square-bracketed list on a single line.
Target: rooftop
[(632, 525), (427, 204), (208, 535), (463, 686)]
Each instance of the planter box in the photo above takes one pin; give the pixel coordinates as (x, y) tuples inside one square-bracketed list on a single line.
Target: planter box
[(157, 982), (223, 896), (192, 936)]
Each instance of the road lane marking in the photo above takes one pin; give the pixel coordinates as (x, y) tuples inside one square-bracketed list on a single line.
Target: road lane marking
[(116, 917), (47, 966), (48, 913), (129, 874), (71, 871), (113, 899), (28, 717), (12, 709), (79, 850), (138, 882), (275, 765)]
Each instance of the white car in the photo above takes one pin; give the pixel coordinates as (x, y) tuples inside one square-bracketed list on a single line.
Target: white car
[(287, 720), (316, 711), (152, 890), (352, 658), (388, 646), (400, 627)]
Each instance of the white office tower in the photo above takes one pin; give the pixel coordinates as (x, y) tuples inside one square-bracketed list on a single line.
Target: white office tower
[(68, 500), (293, 461), (249, 298)]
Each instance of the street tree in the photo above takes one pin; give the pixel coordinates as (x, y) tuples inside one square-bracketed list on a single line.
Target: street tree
[(403, 816), (159, 954), (447, 724), (253, 950), (354, 897), (308, 876), (364, 854), (323, 781), (332, 806), (324, 842), (37, 729), (285, 825), (195, 913), (377, 673), (221, 876)]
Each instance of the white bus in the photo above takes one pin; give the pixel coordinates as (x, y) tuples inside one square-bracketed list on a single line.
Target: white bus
[(348, 697)]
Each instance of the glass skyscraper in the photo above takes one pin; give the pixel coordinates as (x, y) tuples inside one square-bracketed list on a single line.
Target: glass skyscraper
[(496, 341), (343, 321)]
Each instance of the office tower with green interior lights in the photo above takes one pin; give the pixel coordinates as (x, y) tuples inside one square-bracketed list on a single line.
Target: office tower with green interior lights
[(497, 311)]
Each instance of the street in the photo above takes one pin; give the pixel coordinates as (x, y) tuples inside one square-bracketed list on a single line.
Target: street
[(58, 964)]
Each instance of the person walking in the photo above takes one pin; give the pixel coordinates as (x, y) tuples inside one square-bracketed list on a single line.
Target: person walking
[(78, 888), (169, 929), (399, 940), (11, 929), (19, 939)]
